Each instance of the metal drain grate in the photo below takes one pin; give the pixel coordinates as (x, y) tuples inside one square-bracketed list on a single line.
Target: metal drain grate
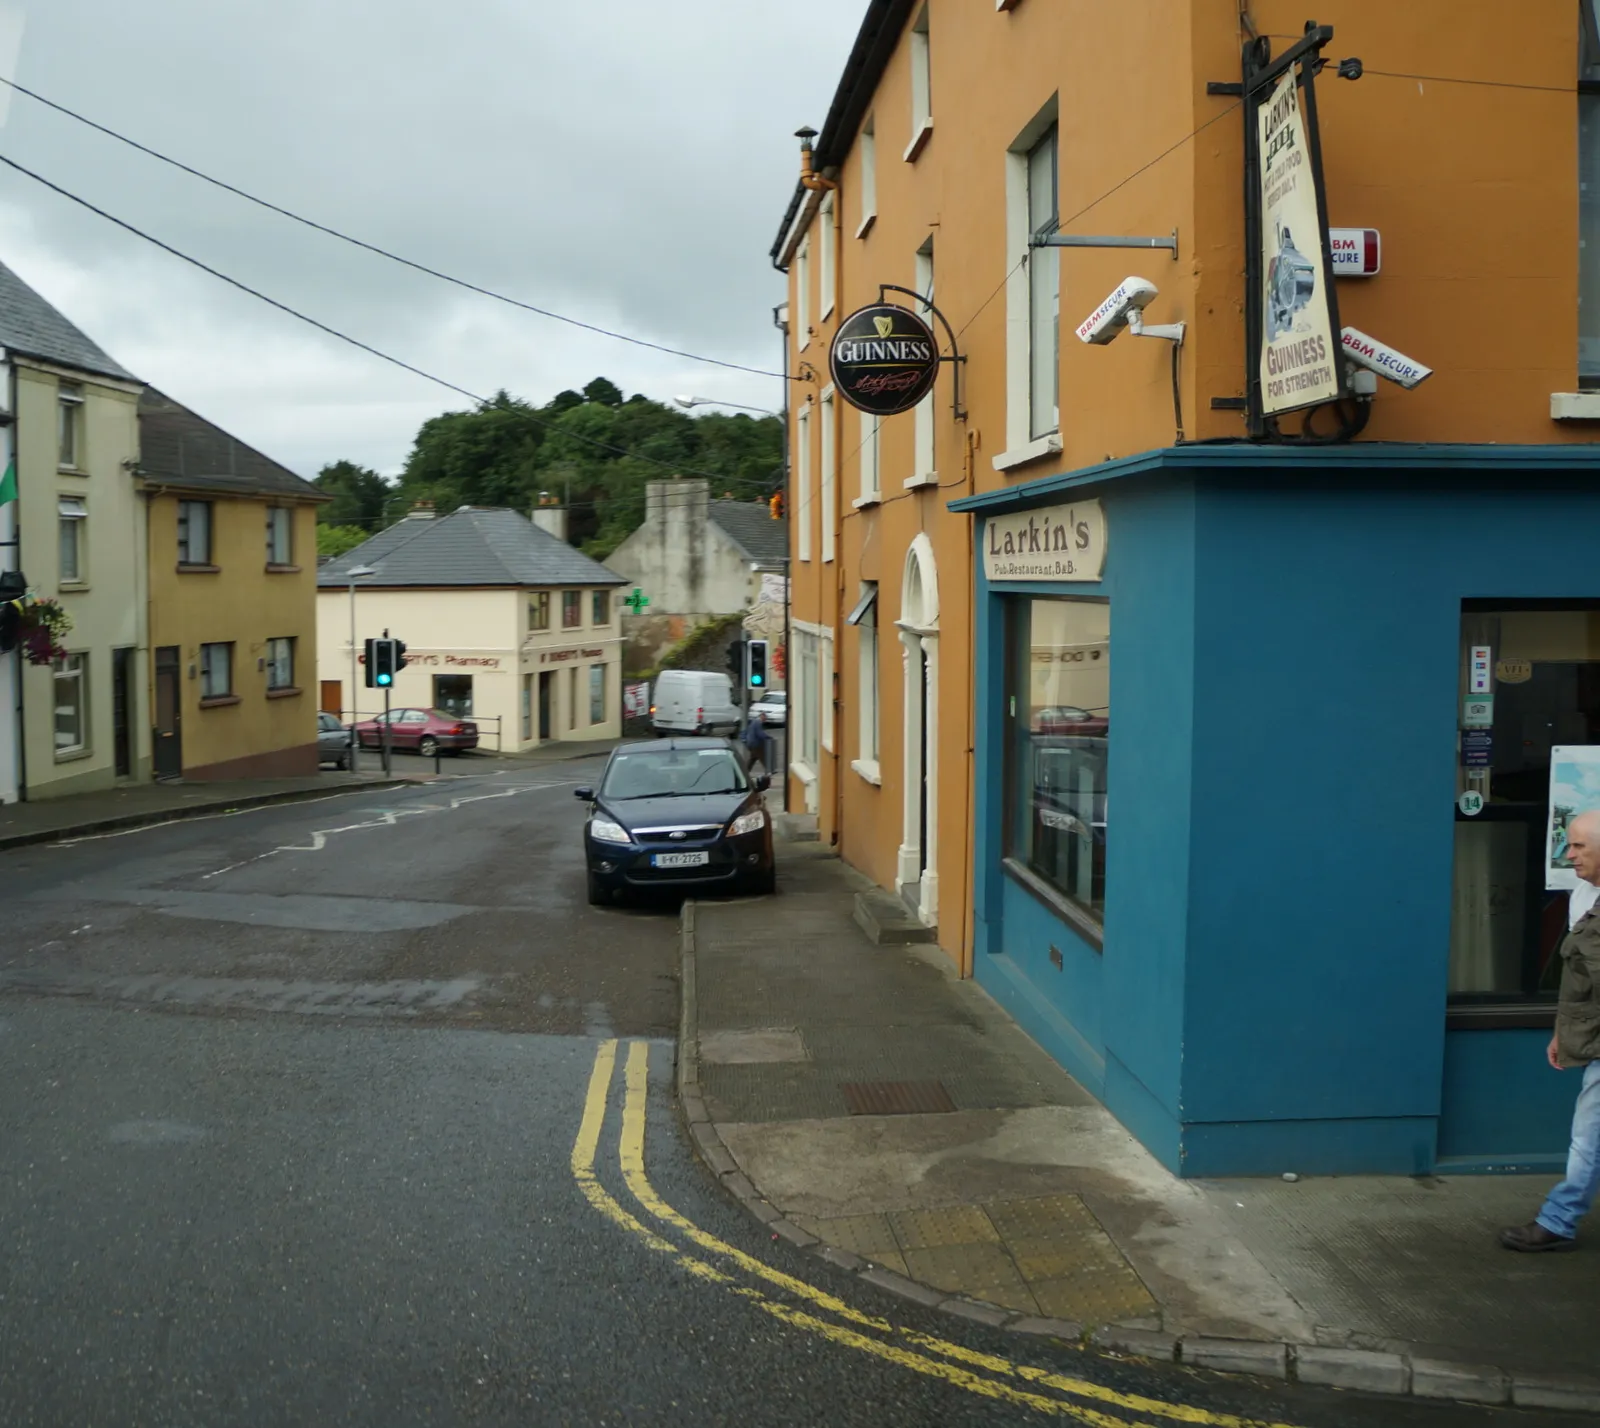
[(896, 1098)]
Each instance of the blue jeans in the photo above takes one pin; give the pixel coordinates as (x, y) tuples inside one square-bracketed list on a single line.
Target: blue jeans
[(1569, 1202)]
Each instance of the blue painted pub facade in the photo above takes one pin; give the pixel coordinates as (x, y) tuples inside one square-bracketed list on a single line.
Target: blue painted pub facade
[(1223, 869)]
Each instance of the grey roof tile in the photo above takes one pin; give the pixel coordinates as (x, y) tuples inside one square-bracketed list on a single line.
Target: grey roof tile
[(179, 446), (472, 546), (30, 326), (749, 525)]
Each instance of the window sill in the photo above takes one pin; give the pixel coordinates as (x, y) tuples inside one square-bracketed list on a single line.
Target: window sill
[(71, 756), (868, 769), (73, 587), (919, 140), (862, 503), (282, 569), (826, 313), (866, 225), (219, 701), (71, 471), (1036, 450), (185, 569), (803, 771), (1006, 5), (1502, 1016), (1069, 912), (922, 482), (1575, 406), (289, 691)]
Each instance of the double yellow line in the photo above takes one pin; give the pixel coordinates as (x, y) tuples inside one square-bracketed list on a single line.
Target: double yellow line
[(987, 1375)]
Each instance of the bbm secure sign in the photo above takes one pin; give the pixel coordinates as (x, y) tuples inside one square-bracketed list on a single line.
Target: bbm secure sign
[(884, 359)]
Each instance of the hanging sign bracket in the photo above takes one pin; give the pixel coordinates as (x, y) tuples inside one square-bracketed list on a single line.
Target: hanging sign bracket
[(956, 359)]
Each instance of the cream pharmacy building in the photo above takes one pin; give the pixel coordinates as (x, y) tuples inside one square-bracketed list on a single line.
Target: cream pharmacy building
[(504, 623)]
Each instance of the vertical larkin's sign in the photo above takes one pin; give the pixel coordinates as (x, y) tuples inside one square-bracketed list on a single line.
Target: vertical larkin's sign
[(1294, 317)]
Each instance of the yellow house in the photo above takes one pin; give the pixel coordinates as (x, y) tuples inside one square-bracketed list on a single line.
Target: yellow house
[(78, 527), (233, 569)]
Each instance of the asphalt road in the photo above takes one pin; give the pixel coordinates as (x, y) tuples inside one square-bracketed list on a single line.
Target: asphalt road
[(355, 1112)]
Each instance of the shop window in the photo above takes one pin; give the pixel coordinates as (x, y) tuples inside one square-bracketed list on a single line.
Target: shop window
[(452, 695), (1589, 194), (1529, 704), (597, 694), (72, 704), (572, 697), (572, 609), (1057, 718), (538, 611)]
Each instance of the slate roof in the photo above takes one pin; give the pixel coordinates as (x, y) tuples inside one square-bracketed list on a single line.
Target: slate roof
[(473, 546), (32, 328), (750, 526), (181, 448)]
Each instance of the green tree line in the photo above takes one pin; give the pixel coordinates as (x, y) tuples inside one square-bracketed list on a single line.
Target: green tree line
[(592, 451)]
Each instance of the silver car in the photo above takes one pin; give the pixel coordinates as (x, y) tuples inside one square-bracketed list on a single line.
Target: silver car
[(333, 741), (773, 707)]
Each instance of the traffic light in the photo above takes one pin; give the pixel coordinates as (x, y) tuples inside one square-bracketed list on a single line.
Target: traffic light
[(369, 664), (385, 659), (755, 664), (734, 659), (400, 660)]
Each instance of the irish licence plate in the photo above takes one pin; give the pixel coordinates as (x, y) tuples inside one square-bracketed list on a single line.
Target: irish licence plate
[(681, 860)]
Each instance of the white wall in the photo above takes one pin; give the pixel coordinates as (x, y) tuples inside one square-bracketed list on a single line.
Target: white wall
[(684, 563)]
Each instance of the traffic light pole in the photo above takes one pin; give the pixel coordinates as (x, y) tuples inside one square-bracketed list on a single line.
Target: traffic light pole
[(388, 770)]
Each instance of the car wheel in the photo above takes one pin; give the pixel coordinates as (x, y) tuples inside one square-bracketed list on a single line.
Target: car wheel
[(428, 746), (599, 893)]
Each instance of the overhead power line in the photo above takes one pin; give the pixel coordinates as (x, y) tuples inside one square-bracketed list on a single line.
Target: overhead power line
[(381, 251), (343, 336)]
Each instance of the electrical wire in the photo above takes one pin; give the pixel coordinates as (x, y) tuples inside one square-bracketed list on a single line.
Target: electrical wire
[(382, 252), (345, 337)]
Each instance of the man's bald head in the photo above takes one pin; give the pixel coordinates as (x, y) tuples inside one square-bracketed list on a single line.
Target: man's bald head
[(1583, 844)]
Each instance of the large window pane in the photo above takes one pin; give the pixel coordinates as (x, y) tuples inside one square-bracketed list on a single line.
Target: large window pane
[(1044, 292), (71, 716), (1542, 669), (1057, 713)]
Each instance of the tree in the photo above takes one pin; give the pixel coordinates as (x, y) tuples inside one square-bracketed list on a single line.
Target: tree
[(358, 496), (476, 458), (336, 540), (604, 391)]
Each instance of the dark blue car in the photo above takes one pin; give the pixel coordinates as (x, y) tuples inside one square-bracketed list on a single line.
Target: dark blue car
[(677, 814)]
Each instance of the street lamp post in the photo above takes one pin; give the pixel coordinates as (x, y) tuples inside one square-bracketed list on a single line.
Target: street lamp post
[(354, 573)]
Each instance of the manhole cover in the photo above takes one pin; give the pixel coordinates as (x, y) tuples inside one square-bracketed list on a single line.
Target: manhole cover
[(895, 1098)]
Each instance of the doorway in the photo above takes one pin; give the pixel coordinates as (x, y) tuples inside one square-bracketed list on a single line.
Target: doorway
[(168, 750), (331, 697), (546, 700), (122, 711)]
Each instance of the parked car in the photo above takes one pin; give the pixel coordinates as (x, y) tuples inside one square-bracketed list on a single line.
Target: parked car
[(691, 701), (773, 707), (678, 814), (427, 731), (333, 741)]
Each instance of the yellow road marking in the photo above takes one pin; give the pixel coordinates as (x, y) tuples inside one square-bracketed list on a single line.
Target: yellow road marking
[(631, 1147)]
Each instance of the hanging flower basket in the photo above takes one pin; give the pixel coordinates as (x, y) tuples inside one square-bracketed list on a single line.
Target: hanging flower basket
[(44, 625)]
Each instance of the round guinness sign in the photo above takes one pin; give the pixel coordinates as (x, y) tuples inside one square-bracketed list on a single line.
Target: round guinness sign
[(884, 359)]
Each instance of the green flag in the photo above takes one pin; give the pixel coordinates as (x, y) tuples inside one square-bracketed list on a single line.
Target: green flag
[(8, 483)]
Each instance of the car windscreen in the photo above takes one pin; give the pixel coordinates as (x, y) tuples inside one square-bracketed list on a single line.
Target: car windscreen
[(672, 773)]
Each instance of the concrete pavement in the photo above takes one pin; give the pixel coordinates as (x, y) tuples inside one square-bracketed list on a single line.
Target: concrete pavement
[(890, 1115)]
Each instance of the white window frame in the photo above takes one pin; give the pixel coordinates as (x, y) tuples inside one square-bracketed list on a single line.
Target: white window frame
[(71, 671), (867, 685), (825, 705), (826, 282), (802, 291), (280, 662), (186, 524), (802, 479), (1022, 446), (280, 535), (69, 427), (72, 515), (867, 147), (921, 86), (924, 471), (830, 474), (210, 660), (869, 452)]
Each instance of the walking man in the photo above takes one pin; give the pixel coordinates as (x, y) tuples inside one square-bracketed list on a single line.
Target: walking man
[(1576, 1043), (754, 740)]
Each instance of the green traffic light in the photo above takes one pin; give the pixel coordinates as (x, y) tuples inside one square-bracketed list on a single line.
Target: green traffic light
[(385, 680)]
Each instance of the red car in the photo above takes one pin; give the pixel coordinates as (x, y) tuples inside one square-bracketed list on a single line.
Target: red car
[(427, 731), (1071, 720)]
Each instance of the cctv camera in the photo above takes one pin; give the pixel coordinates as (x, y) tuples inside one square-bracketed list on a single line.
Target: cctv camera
[(1131, 297), (1368, 352)]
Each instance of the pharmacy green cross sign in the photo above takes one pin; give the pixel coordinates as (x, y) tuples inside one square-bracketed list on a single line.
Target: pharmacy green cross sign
[(637, 601)]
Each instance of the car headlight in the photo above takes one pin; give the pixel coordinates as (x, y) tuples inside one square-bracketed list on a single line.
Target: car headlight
[(751, 822), (608, 830)]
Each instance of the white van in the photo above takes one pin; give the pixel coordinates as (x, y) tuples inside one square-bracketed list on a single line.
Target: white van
[(691, 701)]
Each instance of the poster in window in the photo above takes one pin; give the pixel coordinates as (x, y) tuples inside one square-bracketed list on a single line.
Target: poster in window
[(1299, 347), (1574, 789)]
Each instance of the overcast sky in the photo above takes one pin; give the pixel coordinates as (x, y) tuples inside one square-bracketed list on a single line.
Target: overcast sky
[(626, 162)]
